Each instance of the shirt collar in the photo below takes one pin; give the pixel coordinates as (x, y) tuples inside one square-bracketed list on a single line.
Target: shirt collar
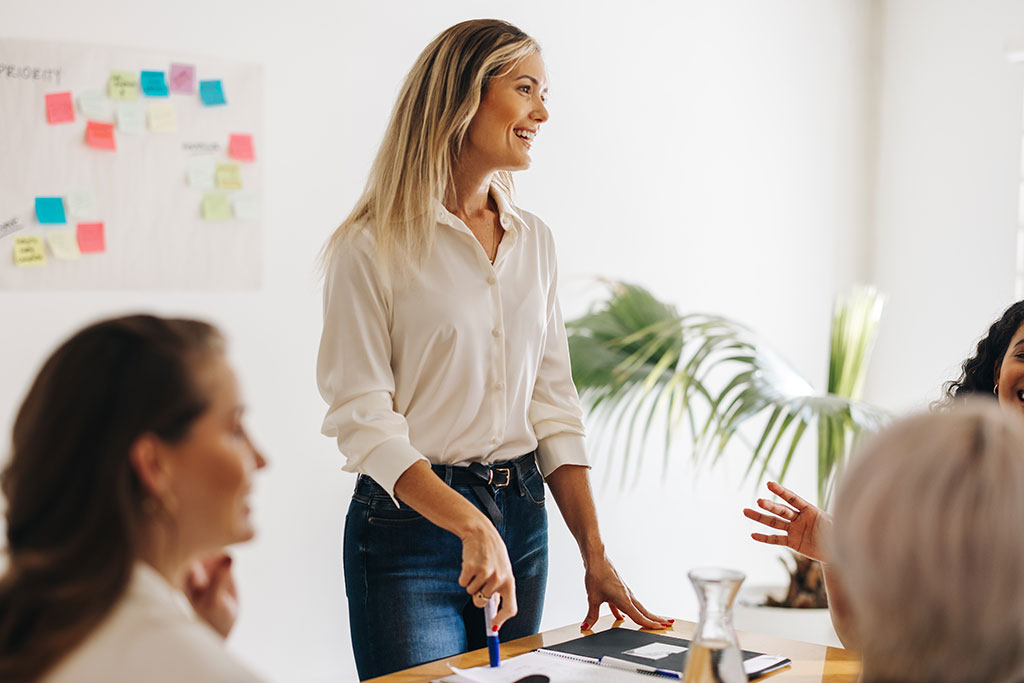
[(508, 215)]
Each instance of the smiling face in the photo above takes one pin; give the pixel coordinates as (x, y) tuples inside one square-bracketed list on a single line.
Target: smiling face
[(508, 119), (212, 467), (1010, 375)]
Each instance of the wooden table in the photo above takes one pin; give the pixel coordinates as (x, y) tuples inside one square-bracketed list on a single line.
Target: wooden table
[(811, 663)]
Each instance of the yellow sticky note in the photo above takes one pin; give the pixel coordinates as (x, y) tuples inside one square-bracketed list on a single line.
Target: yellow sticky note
[(229, 177), (28, 251), (64, 244), (163, 118), (122, 85), (216, 206)]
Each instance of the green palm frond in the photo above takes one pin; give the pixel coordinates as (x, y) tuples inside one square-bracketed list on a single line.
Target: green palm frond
[(637, 362)]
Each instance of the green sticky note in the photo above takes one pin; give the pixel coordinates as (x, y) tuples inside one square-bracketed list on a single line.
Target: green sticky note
[(216, 206), (122, 85)]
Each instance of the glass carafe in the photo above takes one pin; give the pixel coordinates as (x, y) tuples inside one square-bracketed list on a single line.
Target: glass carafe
[(715, 655)]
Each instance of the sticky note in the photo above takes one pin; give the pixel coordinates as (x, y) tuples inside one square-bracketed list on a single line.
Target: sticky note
[(201, 171), (216, 206), (153, 84), (91, 238), (95, 106), (28, 251), (247, 206), (229, 176), (122, 85), (163, 118), (100, 135), (64, 244), (81, 205), (211, 93), (183, 78), (11, 225), (131, 117), (240, 147), (59, 108), (50, 210)]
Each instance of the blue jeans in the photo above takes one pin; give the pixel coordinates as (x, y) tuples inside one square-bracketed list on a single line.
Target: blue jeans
[(405, 604)]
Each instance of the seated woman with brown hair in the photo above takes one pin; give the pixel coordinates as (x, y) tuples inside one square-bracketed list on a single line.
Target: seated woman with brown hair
[(927, 557), (130, 470)]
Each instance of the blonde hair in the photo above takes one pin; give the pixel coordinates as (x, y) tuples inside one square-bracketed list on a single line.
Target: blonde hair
[(414, 164), (928, 550)]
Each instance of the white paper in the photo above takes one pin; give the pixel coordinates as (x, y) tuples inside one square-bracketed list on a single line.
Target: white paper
[(201, 172), (655, 650), (558, 669), (82, 205), (131, 117), (94, 106), (247, 206), (760, 663)]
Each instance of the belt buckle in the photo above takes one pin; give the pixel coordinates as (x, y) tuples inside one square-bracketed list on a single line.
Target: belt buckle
[(500, 482)]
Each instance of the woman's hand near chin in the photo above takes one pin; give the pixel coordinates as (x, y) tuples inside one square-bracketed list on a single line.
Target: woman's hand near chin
[(210, 588)]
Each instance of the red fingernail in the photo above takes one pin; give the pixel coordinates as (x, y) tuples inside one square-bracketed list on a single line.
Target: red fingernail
[(585, 626), (671, 621), (495, 628)]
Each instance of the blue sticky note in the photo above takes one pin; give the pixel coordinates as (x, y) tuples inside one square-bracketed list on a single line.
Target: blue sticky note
[(50, 210), (153, 84), (211, 93)]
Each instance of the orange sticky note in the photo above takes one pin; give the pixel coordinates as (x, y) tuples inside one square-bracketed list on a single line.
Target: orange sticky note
[(90, 238), (59, 108), (100, 135), (240, 147)]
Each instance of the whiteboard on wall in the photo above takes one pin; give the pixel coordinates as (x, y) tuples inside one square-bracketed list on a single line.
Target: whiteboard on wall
[(149, 193)]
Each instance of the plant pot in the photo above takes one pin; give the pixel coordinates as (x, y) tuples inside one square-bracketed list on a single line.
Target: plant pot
[(809, 625)]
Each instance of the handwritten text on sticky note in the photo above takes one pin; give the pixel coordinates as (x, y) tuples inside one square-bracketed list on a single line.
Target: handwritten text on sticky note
[(229, 176), (28, 251), (153, 84), (100, 135), (183, 78), (122, 85), (211, 93)]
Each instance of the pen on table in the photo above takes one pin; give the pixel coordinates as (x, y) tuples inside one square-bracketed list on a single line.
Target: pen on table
[(633, 666), (492, 636)]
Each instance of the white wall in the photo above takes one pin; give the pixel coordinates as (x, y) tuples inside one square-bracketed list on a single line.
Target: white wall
[(944, 243), (717, 152)]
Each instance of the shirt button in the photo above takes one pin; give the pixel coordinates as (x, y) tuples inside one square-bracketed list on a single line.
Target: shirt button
[(495, 441), (491, 280), (504, 221), (495, 333), (499, 386)]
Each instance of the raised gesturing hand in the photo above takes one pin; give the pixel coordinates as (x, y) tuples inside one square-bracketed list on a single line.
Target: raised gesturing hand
[(804, 526)]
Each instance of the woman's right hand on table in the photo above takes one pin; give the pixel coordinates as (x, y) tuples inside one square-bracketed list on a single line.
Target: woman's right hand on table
[(486, 570), (804, 526)]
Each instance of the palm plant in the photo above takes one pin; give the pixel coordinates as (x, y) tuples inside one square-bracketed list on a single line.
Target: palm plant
[(638, 364)]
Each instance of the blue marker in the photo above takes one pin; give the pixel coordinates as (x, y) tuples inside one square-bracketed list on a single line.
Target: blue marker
[(492, 636)]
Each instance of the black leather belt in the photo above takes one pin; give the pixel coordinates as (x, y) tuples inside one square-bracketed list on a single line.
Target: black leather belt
[(483, 480)]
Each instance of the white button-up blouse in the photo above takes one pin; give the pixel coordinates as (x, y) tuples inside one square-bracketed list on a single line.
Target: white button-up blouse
[(460, 361)]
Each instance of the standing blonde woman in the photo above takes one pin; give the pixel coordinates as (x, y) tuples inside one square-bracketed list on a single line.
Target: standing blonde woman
[(445, 366)]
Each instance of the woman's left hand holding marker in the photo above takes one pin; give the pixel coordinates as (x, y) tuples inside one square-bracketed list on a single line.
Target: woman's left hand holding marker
[(486, 569)]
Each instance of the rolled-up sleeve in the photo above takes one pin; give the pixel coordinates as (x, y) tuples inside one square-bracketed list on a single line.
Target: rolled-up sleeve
[(354, 368), (555, 411)]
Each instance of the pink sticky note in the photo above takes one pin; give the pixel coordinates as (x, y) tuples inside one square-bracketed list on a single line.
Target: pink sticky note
[(183, 78), (90, 238), (100, 135), (240, 147), (59, 108)]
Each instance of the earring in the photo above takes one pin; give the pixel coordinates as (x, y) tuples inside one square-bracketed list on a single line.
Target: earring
[(995, 389)]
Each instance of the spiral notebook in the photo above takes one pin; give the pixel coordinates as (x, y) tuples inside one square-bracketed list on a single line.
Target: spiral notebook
[(622, 655)]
